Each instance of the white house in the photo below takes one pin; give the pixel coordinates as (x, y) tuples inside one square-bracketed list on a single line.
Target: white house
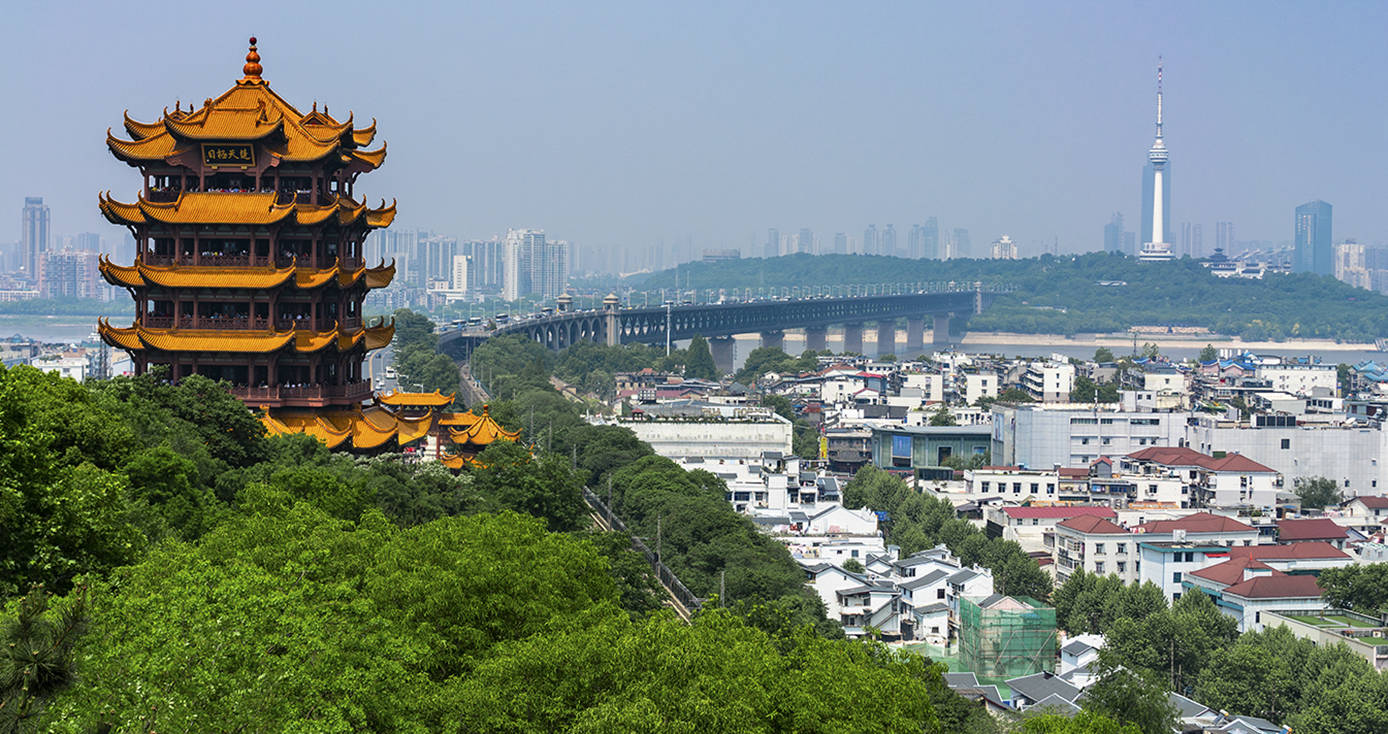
[(1096, 544)]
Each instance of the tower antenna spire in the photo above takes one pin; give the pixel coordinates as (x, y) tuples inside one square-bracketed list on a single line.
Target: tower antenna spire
[(1158, 97)]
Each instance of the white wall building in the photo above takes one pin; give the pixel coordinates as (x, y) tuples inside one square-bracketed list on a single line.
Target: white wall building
[(1300, 379), (1073, 435), (744, 435), (1049, 382)]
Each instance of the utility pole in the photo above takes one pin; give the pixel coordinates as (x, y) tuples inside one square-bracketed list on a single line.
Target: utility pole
[(659, 518), (722, 587)]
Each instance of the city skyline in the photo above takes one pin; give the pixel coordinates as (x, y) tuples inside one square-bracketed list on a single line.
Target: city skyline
[(674, 125)]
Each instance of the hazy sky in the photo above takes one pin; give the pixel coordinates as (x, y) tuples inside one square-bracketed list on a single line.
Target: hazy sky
[(621, 123)]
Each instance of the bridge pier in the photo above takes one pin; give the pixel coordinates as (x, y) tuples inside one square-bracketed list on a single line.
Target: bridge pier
[(853, 338), (775, 339), (886, 337), (723, 354), (915, 335), (815, 338), (941, 335)]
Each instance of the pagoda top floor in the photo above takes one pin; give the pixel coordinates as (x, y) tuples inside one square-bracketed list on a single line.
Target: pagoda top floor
[(248, 139)]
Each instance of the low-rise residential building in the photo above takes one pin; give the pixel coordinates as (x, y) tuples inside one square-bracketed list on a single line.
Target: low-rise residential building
[(1096, 544), (1361, 634), (1167, 563), (1312, 530), (1028, 525), (1245, 588), (896, 446), (1300, 379), (1230, 481), (1049, 382), (1302, 557), (710, 431)]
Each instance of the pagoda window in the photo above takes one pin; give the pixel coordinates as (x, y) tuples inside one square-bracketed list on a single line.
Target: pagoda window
[(163, 249)]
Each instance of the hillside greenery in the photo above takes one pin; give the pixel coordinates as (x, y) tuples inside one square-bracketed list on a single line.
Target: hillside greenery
[(1063, 295)]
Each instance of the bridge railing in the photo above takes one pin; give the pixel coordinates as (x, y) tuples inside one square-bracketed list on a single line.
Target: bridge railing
[(667, 577)]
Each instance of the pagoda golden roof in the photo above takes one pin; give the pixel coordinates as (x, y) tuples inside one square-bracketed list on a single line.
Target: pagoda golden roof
[(202, 276), (431, 399), (244, 341), (209, 207), (477, 431), (249, 112), (366, 428)]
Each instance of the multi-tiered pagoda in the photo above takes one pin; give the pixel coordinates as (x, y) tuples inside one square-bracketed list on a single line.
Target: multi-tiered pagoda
[(249, 262)]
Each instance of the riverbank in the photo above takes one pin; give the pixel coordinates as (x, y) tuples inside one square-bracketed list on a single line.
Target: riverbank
[(1163, 342)]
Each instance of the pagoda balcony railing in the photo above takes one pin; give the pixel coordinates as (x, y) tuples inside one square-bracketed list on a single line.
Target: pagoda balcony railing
[(355, 391), (226, 261), (207, 322), (326, 324), (162, 196), (346, 263)]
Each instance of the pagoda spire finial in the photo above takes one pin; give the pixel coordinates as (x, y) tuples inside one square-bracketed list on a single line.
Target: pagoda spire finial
[(252, 69)]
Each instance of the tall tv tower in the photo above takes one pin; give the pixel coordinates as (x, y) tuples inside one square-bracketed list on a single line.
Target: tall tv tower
[(1157, 249)]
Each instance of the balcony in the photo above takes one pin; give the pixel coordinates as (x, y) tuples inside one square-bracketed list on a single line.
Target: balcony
[(235, 323), (305, 395), (260, 261)]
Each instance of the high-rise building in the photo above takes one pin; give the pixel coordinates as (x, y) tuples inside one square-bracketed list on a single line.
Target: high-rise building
[(1113, 234), (840, 244), (773, 243), (1191, 240), (805, 243), (1004, 248), (487, 266), (70, 273), (1314, 251), (1224, 236), (462, 274), (33, 237), (870, 241), (534, 265), (1130, 243), (962, 246), (886, 245), (930, 239), (1156, 215)]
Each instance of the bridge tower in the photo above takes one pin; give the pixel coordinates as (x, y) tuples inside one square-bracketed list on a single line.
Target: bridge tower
[(612, 325)]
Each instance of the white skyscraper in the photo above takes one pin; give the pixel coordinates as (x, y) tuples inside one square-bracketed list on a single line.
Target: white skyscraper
[(1157, 250)]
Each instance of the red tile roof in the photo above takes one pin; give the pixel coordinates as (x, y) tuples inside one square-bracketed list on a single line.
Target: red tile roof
[(1277, 586), (1300, 551), (1319, 528), (1073, 473), (1200, 522), (1070, 511), (1170, 456), (1185, 456), (1373, 503), (1231, 571), (1093, 525)]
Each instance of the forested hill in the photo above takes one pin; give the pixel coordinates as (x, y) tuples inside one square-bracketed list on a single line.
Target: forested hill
[(1063, 295)]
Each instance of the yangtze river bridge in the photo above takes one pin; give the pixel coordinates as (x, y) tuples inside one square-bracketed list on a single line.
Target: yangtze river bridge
[(720, 322)]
